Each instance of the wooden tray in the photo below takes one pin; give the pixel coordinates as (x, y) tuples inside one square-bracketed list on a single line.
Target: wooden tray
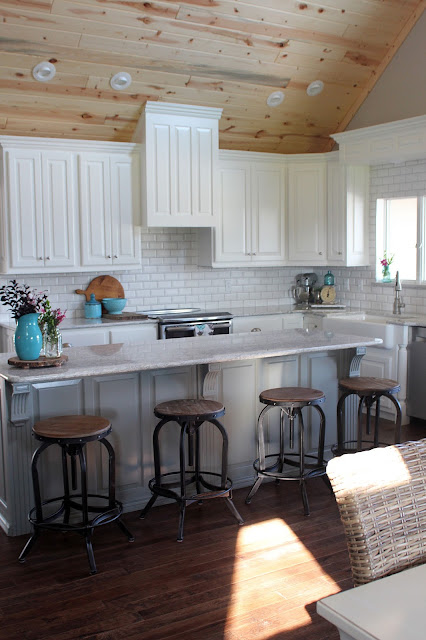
[(37, 364), (103, 287)]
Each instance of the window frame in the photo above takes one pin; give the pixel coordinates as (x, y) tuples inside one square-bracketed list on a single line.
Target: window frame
[(382, 225)]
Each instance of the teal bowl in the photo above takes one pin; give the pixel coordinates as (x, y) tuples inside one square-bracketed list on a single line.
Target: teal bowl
[(114, 305)]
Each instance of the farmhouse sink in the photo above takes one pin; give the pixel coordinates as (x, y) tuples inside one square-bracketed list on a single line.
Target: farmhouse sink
[(370, 326)]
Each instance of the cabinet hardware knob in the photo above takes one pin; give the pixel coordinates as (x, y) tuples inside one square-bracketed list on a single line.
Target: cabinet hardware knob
[(339, 253), (256, 329), (115, 256), (48, 258), (40, 258), (253, 254), (108, 256), (320, 253)]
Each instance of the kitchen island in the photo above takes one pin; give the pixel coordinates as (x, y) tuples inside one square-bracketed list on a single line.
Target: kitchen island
[(125, 382)]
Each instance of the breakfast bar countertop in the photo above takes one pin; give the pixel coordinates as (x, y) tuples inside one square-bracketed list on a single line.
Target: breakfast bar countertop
[(121, 358)]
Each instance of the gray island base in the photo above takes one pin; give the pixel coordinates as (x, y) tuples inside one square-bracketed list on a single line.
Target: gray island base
[(124, 382)]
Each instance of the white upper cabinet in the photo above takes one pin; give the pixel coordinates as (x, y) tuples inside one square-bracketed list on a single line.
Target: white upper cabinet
[(69, 205), (250, 229), (180, 145), (307, 220), (38, 210), (109, 206), (348, 209)]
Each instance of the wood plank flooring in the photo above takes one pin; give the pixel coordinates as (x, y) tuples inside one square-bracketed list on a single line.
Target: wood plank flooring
[(259, 581)]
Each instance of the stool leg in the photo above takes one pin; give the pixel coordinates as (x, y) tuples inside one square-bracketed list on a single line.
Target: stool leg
[(298, 412), (157, 466), (398, 421), (67, 506), (85, 509), (359, 434), (261, 449), (111, 487), (197, 458), (281, 456), (340, 424), (182, 462), (376, 422), (38, 503)]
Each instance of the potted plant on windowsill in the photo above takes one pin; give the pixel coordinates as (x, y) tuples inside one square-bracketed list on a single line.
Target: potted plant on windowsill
[(386, 263), (25, 305)]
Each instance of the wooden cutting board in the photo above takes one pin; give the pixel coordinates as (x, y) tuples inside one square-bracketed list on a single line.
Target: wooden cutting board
[(103, 287)]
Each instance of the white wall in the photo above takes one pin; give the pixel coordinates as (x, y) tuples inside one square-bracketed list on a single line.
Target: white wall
[(169, 275)]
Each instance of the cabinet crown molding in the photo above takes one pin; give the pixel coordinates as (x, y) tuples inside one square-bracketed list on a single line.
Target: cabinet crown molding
[(63, 144), (171, 108), (391, 142)]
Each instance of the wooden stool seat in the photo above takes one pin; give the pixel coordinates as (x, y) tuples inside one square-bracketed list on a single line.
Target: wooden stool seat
[(190, 415), (365, 385), (72, 427), (189, 409), (290, 401), (290, 395)]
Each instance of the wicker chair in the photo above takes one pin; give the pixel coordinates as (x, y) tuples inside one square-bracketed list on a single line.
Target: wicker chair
[(381, 495)]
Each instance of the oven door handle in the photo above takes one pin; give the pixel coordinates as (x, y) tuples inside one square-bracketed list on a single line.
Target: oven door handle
[(176, 328)]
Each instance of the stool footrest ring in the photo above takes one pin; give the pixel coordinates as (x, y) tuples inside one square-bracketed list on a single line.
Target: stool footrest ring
[(104, 517), (314, 470)]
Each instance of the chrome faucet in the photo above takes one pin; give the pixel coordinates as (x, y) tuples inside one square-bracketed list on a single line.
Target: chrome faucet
[(398, 304)]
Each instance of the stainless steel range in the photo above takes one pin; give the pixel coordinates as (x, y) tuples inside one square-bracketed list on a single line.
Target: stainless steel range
[(186, 323)]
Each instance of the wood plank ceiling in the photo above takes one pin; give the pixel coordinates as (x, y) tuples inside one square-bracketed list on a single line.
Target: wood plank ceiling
[(223, 53)]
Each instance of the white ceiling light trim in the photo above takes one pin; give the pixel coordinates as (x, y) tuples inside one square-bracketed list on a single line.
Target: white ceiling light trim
[(44, 71), (121, 80), (315, 88), (275, 99)]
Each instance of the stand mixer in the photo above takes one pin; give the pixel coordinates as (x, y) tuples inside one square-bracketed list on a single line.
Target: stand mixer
[(303, 291)]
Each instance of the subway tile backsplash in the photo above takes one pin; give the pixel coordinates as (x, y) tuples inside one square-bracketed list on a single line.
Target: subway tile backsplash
[(169, 274)]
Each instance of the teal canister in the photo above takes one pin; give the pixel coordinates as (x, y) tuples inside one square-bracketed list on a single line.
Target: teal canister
[(329, 278), (92, 308)]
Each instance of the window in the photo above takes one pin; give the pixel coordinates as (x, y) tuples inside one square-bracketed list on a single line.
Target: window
[(400, 232)]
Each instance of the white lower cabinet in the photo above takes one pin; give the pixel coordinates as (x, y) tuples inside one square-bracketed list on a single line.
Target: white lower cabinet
[(311, 321), (133, 334), (270, 322), (126, 334)]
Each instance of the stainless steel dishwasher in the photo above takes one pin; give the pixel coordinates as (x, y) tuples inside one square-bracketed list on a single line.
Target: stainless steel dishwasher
[(416, 379)]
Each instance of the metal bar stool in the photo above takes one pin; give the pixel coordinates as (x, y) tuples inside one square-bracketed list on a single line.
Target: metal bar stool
[(190, 415), (291, 401), (72, 433), (370, 391)]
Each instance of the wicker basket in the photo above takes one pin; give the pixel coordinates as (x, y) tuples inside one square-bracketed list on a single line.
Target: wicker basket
[(381, 495)]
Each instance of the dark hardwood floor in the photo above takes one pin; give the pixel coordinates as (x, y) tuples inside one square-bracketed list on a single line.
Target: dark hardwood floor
[(260, 581)]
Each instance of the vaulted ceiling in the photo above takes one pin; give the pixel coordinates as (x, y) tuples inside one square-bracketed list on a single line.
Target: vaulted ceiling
[(222, 53)]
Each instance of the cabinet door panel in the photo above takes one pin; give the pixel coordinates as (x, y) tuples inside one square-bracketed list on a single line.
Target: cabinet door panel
[(95, 210), (267, 213), (133, 334), (125, 205), (85, 337), (336, 213), (59, 209), (158, 170), (202, 184), (25, 206), (181, 170), (307, 239), (234, 233)]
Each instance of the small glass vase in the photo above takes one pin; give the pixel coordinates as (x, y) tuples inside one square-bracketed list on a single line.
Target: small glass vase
[(386, 276), (52, 343)]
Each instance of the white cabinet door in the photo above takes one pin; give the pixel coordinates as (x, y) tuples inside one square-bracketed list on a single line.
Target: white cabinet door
[(95, 209), (257, 323), (267, 213), (40, 188), (180, 156), (251, 226), (109, 206), (347, 212), (125, 209), (233, 233), (307, 213), (133, 334), (85, 337)]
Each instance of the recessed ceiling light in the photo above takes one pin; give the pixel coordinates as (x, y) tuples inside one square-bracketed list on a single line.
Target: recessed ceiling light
[(121, 80), (275, 98), (315, 88), (44, 71)]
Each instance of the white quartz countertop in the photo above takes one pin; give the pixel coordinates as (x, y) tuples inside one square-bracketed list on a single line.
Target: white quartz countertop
[(120, 358)]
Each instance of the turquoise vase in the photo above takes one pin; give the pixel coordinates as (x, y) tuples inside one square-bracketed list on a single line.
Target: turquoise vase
[(28, 338)]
